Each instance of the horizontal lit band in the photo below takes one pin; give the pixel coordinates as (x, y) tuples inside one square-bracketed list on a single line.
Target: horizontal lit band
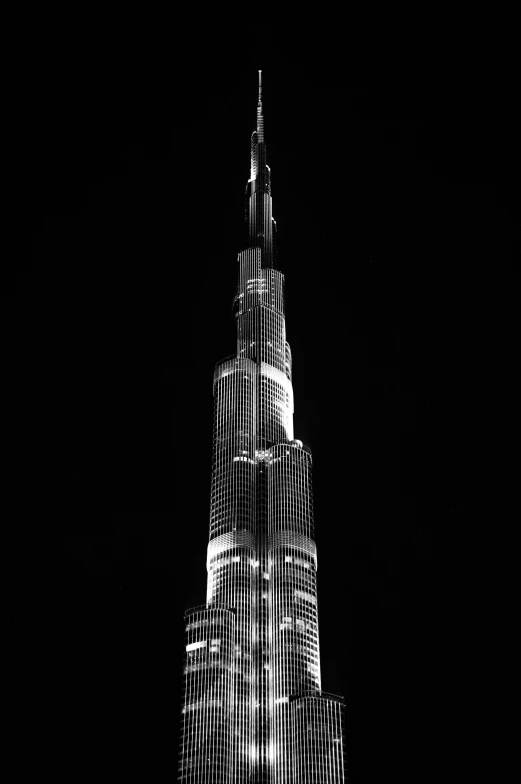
[(235, 539), (280, 378), (294, 540), (229, 541), (199, 615), (232, 365), (320, 696)]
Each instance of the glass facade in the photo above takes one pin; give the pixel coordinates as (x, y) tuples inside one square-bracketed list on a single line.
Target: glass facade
[(253, 706)]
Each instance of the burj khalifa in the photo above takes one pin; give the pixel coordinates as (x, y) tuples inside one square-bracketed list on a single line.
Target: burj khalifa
[(253, 706)]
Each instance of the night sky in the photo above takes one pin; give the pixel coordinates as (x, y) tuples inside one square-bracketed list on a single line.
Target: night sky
[(394, 200)]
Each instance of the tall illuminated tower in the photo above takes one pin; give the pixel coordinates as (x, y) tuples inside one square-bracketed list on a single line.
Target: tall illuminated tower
[(253, 706)]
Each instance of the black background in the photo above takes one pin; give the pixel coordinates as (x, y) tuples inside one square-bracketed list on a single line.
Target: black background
[(393, 193)]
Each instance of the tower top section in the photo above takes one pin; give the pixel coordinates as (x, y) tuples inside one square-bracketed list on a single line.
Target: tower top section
[(260, 118), (261, 226)]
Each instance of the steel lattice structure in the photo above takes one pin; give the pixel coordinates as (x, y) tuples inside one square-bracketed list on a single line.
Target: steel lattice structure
[(253, 706)]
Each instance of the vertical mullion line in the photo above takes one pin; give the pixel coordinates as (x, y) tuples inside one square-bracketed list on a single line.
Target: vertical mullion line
[(228, 479), (235, 480), (340, 745), (194, 713), (312, 714), (299, 740), (208, 738), (224, 484), (327, 735), (330, 725), (239, 632), (183, 714), (182, 768), (275, 571), (190, 724), (209, 698), (204, 701), (198, 677), (198, 718)]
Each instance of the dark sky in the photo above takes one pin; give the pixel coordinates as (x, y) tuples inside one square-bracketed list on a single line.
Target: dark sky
[(394, 198)]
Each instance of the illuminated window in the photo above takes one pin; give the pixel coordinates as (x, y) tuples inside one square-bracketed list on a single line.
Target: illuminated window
[(194, 645)]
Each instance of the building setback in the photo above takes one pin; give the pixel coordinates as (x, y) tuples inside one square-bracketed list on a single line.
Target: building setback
[(254, 709)]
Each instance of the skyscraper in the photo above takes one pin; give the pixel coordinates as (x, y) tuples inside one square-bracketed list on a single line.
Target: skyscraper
[(254, 709)]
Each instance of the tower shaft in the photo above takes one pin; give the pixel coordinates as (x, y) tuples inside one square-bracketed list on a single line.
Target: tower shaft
[(253, 706)]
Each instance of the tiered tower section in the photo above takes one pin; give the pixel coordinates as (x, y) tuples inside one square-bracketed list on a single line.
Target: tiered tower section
[(253, 706)]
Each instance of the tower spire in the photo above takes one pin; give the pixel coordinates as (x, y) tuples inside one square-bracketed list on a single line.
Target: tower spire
[(260, 118)]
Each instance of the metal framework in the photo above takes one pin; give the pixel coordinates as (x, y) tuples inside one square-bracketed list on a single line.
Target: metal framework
[(253, 706)]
